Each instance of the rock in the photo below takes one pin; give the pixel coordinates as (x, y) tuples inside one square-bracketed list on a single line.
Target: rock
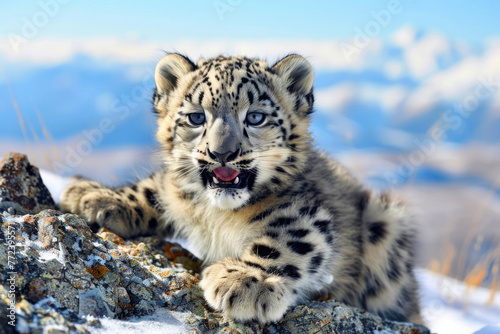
[(21, 183), (12, 207), (43, 317), (58, 256), (328, 316)]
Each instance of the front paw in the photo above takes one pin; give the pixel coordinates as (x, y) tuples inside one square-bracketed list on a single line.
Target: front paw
[(100, 206), (245, 293)]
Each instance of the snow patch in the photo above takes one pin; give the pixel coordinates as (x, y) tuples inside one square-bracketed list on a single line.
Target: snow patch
[(448, 306), (93, 259), (55, 183), (161, 321), (14, 219)]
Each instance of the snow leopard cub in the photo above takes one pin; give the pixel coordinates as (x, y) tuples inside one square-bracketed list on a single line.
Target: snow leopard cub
[(275, 221)]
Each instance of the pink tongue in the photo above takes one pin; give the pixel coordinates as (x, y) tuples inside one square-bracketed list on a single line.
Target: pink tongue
[(225, 173)]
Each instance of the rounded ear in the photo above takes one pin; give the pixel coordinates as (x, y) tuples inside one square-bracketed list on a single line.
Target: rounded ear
[(169, 71), (297, 72)]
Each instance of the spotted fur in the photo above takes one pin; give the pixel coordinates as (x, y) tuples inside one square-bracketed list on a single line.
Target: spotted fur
[(297, 225)]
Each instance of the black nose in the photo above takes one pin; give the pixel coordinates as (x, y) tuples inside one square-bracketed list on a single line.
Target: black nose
[(224, 157)]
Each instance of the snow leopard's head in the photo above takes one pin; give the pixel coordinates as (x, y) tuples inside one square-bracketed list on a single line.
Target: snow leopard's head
[(233, 128)]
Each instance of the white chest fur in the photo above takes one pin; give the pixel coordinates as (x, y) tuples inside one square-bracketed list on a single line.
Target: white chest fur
[(216, 234)]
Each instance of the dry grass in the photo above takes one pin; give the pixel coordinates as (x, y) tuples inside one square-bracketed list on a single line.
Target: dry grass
[(47, 158), (20, 119), (486, 268), (46, 133), (474, 233), (494, 284), (476, 275)]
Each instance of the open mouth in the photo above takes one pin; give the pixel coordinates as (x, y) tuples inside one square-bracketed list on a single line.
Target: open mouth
[(225, 177)]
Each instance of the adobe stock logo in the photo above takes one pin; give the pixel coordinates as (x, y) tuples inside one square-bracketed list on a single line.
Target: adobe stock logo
[(31, 26), (380, 19), (118, 110), (453, 118), (224, 6)]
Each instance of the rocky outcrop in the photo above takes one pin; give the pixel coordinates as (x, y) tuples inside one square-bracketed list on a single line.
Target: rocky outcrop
[(21, 186), (56, 257), (57, 276)]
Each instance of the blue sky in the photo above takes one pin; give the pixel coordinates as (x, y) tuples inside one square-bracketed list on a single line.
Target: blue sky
[(471, 21)]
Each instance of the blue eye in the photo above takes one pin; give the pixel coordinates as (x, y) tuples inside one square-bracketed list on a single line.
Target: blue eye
[(197, 118), (255, 118)]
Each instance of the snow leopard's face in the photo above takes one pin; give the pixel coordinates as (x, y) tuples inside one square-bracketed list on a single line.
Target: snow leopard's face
[(232, 128)]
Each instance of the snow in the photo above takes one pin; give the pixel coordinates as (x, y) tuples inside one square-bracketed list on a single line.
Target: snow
[(55, 183), (34, 243), (161, 321), (93, 260), (62, 254), (15, 220), (493, 329), (448, 306), (46, 256)]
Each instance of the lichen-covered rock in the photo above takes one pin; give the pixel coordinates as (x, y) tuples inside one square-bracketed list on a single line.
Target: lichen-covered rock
[(21, 183), (328, 316), (43, 317), (55, 255)]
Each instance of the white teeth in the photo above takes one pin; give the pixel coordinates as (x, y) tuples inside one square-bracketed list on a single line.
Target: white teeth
[(215, 180), (236, 180)]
